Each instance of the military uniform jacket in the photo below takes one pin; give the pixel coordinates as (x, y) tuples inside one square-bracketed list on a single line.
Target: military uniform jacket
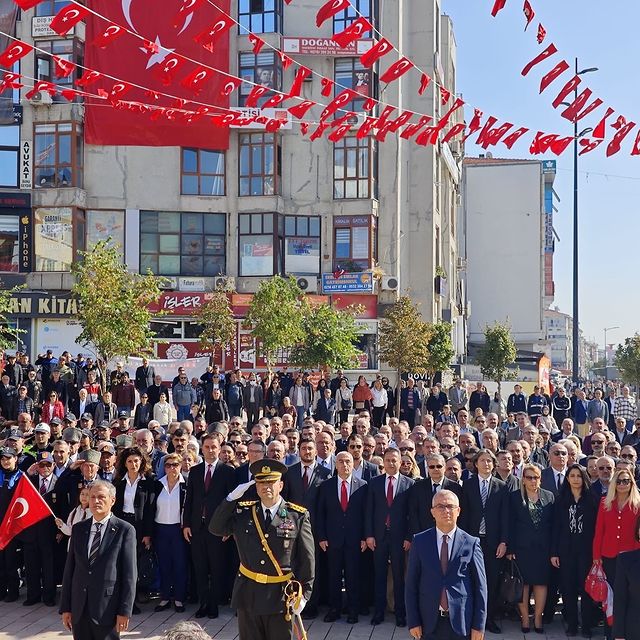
[(290, 540)]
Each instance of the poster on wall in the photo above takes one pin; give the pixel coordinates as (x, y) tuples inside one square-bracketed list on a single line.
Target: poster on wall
[(102, 225), (59, 334), (53, 230)]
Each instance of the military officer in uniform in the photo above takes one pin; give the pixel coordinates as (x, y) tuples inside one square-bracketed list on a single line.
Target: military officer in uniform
[(273, 536)]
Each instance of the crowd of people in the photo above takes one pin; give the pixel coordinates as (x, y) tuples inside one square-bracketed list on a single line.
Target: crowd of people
[(549, 481)]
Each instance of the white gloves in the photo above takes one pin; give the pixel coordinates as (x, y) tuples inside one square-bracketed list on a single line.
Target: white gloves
[(298, 609), (239, 491)]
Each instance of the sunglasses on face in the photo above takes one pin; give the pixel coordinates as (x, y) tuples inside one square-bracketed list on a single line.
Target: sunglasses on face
[(627, 456), (597, 442), (172, 464), (436, 466), (358, 446), (605, 468), (623, 481), (241, 454), (532, 477), (407, 449)]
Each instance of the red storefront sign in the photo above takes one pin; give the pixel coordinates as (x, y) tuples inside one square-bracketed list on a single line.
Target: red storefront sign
[(370, 304), (179, 303), (323, 47)]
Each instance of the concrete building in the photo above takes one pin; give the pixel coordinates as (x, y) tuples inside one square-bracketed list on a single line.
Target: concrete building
[(559, 336), (271, 203), (508, 245)]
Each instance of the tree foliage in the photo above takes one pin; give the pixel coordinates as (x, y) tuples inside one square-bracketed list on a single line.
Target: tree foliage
[(9, 334), (440, 347), (329, 338), (216, 318), (496, 354), (113, 304), (628, 359), (275, 317)]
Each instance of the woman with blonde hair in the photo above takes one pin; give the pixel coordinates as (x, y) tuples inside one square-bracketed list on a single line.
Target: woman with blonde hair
[(409, 466), (615, 524)]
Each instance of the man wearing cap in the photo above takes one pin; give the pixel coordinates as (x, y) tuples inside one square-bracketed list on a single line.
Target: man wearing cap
[(16, 441), (47, 362), (14, 371), (70, 485), (41, 438), (107, 461), (123, 421), (55, 424), (9, 561), (71, 435), (123, 441), (39, 540), (86, 421), (105, 410), (70, 419), (273, 538)]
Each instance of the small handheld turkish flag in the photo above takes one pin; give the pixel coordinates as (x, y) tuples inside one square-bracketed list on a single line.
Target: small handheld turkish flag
[(25, 509), (67, 18)]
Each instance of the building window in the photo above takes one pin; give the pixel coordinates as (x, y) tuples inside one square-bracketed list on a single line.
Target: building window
[(187, 244), (263, 69), (58, 156), (260, 16), (51, 7), (350, 73), (366, 8), (260, 156), (104, 225), (203, 172), (9, 156), (71, 50), (302, 244), (355, 246), (355, 168), (261, 237), (9, 242), (59, 236)]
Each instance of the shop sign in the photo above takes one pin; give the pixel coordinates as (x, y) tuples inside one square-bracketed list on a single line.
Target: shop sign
[(179, 303), (25, 229), (348, 283), (58, 306), (323, 47)]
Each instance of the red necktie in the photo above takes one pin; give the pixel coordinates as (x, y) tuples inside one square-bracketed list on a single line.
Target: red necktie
[(389, 500), (43, 486), (207, 479), (344, 498), (444, 564), (305, 478)]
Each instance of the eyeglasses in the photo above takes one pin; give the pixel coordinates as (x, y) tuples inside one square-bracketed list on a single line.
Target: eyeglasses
[(171, 464), (446, 507), (241, 454), (597, 442), (627, 456), (623, 481), (443, 446), (531, 477), (436, 466), (358, 446), (407, 448), (605, 468)]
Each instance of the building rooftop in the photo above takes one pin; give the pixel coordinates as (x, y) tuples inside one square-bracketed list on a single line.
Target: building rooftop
[(484, 160)]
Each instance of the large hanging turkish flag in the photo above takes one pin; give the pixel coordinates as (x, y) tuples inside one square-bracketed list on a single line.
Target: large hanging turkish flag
[(130, 61)]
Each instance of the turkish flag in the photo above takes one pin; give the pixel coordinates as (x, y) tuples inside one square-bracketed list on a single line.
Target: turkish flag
[(257, 42), (498, 6), (187, 7), (529, 13), (354, 31), (396, 70), (14, 52), (42, 86), (25, 5), (542, 34), (63, 68), (380, 49), (329, 9), (109, 35), (138, 66), (68, 17), (424, 83), (214, 32), (27, 507)]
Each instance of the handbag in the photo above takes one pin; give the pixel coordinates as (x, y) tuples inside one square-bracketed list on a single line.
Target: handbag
[(511, 584), (596, 584), (147, 568), (346, 405)]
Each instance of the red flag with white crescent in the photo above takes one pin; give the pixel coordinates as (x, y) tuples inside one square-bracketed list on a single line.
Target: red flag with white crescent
[(14, 52), (329, 9), (498, 6), (68, 17), (356, 30), (542, 34), (257, 42), (396, 70), (109, 35), (27, 507), (42, 86), (150, 61), (529, 13), (63, 67), (25, 5), (379, 49)]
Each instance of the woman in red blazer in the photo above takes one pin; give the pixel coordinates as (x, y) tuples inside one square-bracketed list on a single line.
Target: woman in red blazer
[(53, 408), (615, 524)]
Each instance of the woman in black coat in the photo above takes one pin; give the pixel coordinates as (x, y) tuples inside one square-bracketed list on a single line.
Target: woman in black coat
[(531, 518), (626, 593), (574, 526)]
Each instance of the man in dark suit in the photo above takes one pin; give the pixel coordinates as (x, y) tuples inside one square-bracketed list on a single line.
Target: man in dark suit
[(422, 492), (485, 515), (99, 584), (301, 484), (208, 485), (553, 476), (387, 531), (340, 516), (444, 563), (144, 376), (362, 469), (342, 441)]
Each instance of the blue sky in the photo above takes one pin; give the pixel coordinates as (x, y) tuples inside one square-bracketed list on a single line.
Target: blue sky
[(491, 54)]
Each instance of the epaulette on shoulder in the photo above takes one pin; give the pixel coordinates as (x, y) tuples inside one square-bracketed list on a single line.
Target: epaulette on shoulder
[(247, 503), (296, 507)]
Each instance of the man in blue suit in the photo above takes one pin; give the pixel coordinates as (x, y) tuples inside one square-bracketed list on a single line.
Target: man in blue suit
[(446, 585)]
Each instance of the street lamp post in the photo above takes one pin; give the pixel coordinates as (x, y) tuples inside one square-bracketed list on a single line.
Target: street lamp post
[(606, 359), (576, 331)]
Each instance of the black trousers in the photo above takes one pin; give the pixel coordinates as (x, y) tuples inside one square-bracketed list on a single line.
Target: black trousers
[(377, 414), (443, 631), (492, 569), (39, 569), (253, 415), (574, 568), (344, 561), (85, 629), (9, 581), (262, 627), (387, 549), (207, 552)]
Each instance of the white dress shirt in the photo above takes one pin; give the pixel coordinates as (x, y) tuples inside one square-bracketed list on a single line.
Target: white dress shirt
[(340, 481), (395, 484), (130, 489), (92, 532), (168, 503), (273, 510)]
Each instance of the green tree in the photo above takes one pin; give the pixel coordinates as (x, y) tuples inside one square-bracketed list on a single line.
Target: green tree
[(113, 304), (440, 346), (403, 339), (329, 338), (218, 325), (9, 334), (496, 354), (275, 317), (628, 360)]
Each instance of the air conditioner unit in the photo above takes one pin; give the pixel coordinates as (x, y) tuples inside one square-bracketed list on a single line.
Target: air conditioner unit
[(390, 283), (169, 283), (226, 283), (41, 97), (247, 285), (308, 285)]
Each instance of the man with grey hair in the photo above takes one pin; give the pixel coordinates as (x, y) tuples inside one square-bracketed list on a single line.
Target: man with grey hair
[(186, 630), (276, 450), (145, 442)]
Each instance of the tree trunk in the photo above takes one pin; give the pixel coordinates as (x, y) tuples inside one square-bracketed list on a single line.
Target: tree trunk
[(500, 389), (398, 391)]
